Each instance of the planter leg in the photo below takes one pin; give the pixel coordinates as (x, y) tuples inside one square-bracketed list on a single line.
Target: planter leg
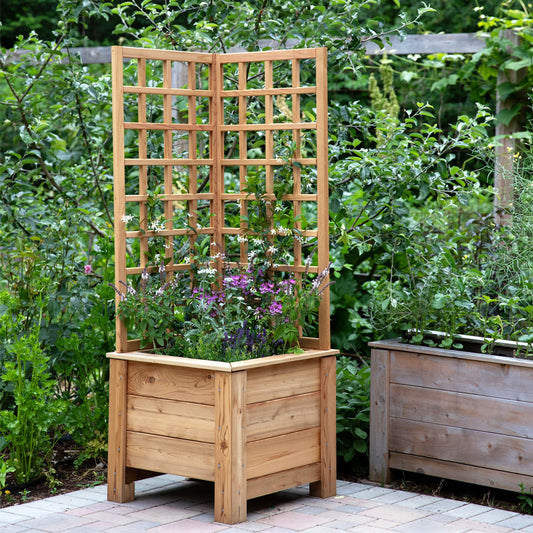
[(230, 447), (117, 489), (327, 486), (379, 416)]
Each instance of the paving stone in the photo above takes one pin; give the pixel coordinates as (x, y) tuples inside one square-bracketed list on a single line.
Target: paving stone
[(8, 517), (295, 520), (394, 496), (517, 522), (58, 522), (495, 515), (468, 510), (442, 506), (396, 513)]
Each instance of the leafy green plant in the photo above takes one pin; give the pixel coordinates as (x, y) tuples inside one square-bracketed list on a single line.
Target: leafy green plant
[(27, 434), (353, 410), (525, 499)]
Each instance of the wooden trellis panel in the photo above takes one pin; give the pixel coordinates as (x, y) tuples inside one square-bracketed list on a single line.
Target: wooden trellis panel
[(184, 158)]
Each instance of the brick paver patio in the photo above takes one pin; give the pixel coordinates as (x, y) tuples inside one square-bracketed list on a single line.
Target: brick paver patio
[(172, 504)]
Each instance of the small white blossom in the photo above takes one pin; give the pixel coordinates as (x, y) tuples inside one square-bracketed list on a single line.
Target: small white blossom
[(207, 271), (187, 259), (257, 241), (126, 218), (273, 231), (278, 208), (242, 238), (272, 250), (159, 292)]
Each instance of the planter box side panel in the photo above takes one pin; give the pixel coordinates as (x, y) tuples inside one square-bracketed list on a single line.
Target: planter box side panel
[(464, 446), (453, 417), (171, 420), (283, 418), (462, 375), (470, 411), (461, 472)]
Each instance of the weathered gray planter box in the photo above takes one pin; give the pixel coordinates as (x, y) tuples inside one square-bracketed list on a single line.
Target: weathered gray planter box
[(452, 414)]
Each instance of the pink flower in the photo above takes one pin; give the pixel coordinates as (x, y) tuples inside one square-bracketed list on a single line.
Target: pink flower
[(88, 269)]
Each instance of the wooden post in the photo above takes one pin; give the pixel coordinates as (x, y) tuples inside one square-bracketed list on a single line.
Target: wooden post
[(327, 486), (379, 416), (117, 488), (506, 148), (230, 447)]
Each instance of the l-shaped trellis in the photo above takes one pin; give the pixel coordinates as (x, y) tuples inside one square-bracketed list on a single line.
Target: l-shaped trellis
[(195, 166), (236, 152)]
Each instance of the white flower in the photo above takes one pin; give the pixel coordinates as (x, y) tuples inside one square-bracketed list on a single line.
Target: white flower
[(278, 208), (257, 241), (273, 231), (157, 226), (242, 238), (207, 271), (159, 292), (126, 218), (187, 259), (251, 256), (272, 250)]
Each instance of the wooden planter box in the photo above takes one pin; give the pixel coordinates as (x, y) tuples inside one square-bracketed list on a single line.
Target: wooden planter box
[(451, 414), (253, 427)]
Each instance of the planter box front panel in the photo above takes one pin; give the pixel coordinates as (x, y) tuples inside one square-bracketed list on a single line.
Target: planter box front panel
[(268, 428), (450, 416)]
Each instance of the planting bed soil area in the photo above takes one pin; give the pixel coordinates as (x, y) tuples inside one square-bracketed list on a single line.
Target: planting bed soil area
[(67, 478)]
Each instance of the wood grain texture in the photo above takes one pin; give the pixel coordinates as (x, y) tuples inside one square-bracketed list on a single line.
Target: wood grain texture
[(283, 480), (285, 415), (171, 383), (502, 379), (118, 489), (230, 448), (327, 486), (183, 420), (268, 456), (461, 472), (171, 456), (379, 416), (464, 446), (472, 411), (280, 381)]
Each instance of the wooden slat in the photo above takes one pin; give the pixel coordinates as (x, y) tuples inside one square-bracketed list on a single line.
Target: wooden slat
[(279, 381), (168, 233), (171, 456), (327, 486), (379, 416), (171, 161), (170, 418), (148, 53), (118, 489), (119, 188), (230, 448), (503, 379), (322, 191), (266, 127), (158, 381), (271, 90), (166, 127), (285, 452), (179, 197), (471, 411), (283, 480), (286, 415), (167, 90), (477, 448), (462, 472), (274, 55), (261, 162)]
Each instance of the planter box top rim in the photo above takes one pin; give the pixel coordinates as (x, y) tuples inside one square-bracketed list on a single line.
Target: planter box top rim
[(400, 345), (219, 365)]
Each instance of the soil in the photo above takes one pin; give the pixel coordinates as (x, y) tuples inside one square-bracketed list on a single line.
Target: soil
[(69, 478)]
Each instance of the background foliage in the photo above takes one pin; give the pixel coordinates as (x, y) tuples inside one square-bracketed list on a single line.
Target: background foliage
[(410, 178)]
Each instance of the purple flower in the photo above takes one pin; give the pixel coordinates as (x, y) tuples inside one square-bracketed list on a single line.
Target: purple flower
[(88, 269), (275, 308)]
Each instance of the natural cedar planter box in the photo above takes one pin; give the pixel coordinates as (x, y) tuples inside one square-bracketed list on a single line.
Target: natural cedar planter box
[(452, 414), (253, 427)]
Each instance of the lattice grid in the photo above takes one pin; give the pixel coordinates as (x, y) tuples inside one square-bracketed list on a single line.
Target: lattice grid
[(221, 147)]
